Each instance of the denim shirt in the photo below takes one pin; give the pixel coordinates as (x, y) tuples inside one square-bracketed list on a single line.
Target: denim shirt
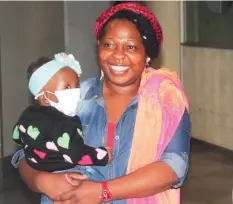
[(94, 122)]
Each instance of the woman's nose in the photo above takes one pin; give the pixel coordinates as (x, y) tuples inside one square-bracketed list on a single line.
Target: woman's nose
[(118, 53)]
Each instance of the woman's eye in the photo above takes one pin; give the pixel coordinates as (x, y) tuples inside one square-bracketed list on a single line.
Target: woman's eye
[(108, 45), (131, 47)]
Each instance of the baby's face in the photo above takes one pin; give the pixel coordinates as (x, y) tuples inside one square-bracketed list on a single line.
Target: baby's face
[(66, 78)]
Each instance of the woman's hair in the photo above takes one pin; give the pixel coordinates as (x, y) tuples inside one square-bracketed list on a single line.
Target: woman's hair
[(35, 65), (144, 20)]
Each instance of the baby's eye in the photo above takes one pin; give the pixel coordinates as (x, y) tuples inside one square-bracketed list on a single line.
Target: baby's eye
[(68, 87)]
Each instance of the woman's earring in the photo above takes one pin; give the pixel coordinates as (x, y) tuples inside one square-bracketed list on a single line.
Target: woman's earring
[(147, 62), (102, 75)]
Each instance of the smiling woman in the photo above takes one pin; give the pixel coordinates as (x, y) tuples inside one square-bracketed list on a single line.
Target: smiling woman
[(139, 112), (122, 54)]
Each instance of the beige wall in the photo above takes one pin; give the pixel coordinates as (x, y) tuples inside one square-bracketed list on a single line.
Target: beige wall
[(168, 14), (207, 77), (28, 30), (79, 36)]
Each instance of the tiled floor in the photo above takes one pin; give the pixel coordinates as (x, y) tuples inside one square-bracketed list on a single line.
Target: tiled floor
[(210, 180)]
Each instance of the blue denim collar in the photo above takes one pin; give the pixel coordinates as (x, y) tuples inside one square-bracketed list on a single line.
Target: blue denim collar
[(96, 92)]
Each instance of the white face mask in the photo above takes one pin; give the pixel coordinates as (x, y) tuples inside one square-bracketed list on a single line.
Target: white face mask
[(67, 101)]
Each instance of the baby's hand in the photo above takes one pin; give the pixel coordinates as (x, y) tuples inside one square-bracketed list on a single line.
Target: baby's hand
[(109, 149)]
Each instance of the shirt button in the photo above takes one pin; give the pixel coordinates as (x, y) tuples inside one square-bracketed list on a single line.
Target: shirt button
[(117, 137)]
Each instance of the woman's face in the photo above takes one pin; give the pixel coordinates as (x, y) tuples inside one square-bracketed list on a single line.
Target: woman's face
[(121, 53)]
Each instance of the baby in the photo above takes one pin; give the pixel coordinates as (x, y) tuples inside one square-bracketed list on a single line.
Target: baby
[(50, 132)]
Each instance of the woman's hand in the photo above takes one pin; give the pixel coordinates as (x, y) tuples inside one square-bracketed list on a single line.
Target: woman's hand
[(87, 192), (56, 184)]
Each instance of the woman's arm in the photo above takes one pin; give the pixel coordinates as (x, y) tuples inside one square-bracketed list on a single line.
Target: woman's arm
[(30, 176), (51, 184), (159, 176), (40, 181), (149, 180)]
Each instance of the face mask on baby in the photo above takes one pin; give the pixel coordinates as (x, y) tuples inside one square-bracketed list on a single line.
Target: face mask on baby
[(67, 100)]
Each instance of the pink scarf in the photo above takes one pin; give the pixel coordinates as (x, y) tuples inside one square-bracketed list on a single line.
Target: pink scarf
[(161, 106)]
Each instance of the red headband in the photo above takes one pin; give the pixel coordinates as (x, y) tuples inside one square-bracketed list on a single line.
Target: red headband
[(134, 7)]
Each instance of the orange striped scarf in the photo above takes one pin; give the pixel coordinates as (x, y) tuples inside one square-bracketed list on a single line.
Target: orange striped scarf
[(161, 106)]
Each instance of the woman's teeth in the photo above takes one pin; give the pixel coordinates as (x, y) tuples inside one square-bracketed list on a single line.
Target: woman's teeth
[(119, 68)]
